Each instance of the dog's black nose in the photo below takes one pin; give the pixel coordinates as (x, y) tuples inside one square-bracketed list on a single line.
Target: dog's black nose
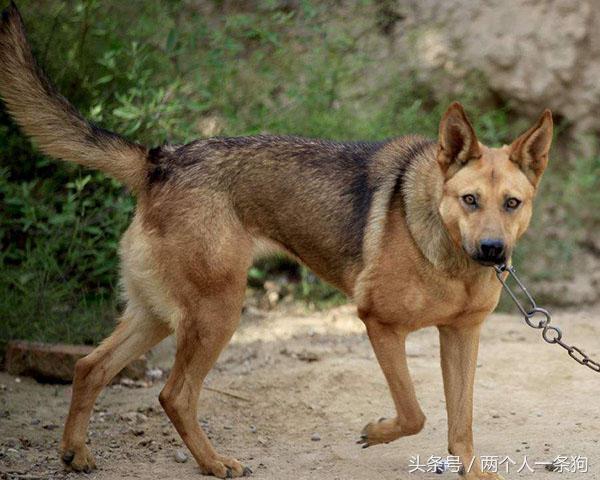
[(491, 250)]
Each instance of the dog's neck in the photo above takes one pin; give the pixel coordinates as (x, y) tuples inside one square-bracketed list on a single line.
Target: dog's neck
[(422, 194)]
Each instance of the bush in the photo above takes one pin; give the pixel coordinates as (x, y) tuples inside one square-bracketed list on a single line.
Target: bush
[(60, 224)]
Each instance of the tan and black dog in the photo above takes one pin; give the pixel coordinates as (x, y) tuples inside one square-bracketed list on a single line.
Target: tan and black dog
[(408, 228)]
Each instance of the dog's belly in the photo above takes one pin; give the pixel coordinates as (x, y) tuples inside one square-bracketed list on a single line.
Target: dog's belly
[(144, 288), (340, 272)]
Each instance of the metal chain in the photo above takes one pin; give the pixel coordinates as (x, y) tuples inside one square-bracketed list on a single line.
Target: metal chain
[(550, 333)]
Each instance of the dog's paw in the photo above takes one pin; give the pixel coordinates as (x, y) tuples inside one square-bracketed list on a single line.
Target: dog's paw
[(387, 430), (79, 459), (383, 430), (225, 467)]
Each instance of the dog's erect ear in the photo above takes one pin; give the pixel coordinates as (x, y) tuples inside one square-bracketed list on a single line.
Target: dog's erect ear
[(530, 150), (457, 141)]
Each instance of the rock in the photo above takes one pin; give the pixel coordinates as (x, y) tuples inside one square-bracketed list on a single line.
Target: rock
[(441, 466), (308, 356), (315, 437), (55, 362), (11, 442), (304, 355), (180, 456), (130, 383), (535, 54), (147, 410), (134, 417), (154, 374), (580, 289), (262, 441), (12, 453), (273, 298), (273, 293)]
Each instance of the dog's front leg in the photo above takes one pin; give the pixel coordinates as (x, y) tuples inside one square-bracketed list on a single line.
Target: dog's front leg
[(459, 347), (388, 341)]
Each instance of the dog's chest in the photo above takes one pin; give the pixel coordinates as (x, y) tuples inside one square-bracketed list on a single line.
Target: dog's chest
[(403, 288), (418, 302)]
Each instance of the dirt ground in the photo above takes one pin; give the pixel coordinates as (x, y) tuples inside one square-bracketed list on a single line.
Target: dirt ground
[(291, 393)]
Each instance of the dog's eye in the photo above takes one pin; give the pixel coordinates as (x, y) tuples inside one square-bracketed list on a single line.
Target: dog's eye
[(469, 199), (512, 203)]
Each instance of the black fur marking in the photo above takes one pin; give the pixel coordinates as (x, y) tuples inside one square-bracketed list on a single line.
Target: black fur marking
[(154, 155), (342, 167), (9, 11), (160, 165), (356, 157), (333, 162)]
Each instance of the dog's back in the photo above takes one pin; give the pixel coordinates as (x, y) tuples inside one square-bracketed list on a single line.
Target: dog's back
[(311, 197)]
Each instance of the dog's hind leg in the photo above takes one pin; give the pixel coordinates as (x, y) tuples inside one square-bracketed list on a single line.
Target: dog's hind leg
[(388, 341), (205, 327), (135, 334)]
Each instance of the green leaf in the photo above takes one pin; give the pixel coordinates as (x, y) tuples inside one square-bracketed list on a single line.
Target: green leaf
[(128, 112)]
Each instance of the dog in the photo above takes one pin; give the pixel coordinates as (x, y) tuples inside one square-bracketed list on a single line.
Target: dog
[(408, 228)]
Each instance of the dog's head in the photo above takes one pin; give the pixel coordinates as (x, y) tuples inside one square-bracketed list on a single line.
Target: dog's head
[(488, 192)]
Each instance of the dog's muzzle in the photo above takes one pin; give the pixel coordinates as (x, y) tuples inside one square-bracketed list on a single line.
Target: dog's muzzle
[(491, 251)]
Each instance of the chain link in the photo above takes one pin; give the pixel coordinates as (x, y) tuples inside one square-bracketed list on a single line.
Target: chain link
[(540, 318)]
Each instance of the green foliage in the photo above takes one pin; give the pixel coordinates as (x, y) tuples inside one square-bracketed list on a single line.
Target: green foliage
[(316, 292), (581, 194), (59, 224), (158, 71)]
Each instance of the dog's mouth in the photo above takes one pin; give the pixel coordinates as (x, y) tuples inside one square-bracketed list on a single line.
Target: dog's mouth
[(488, 262), (479, 257)]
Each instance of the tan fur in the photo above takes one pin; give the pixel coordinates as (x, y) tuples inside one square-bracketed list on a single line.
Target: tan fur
[(58, 129), (424, 274), (388, 223)]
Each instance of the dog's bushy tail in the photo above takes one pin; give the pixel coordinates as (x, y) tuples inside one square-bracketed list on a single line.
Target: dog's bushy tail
[(51, 121)]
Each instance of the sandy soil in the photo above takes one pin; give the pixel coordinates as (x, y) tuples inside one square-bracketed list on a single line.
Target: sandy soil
[(298, 376)]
